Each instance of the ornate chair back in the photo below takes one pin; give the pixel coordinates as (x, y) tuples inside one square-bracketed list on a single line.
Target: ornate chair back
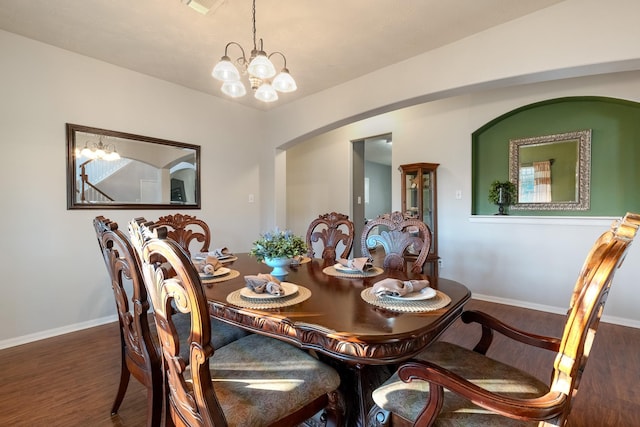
[(185, 229), (586, 306), (398, 235), (139, 355), (186, 396), (332, 230)]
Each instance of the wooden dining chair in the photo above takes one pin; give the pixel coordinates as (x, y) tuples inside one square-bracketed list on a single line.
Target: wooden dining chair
[(254, 381), (185, 229), (332, 230), (140, 355), (400, 237), (483, 391)]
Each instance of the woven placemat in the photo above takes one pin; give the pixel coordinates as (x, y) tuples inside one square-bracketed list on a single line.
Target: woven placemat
[(261, 304), (232, 275), (439, 301), (331, 271)]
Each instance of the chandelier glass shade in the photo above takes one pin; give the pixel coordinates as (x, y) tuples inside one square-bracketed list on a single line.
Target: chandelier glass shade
[(99, 151), (263, 78)]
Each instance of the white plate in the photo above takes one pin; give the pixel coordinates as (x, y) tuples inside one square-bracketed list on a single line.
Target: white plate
[(219, 272), (201, 256), (289, 289), (424, 293), (344, 269)]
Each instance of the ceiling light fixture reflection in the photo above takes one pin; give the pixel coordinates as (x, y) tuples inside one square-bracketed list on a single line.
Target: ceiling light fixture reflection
[(99, 151), (260, 70)]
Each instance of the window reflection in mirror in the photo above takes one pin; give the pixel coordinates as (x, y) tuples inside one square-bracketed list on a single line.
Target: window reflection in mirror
[(552, 172), (109, 169)]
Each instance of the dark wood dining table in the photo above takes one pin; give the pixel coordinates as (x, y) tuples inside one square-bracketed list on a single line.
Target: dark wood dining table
[(364, 342)]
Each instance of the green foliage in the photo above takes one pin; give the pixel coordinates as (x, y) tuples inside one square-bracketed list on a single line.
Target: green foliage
[(278, 244), (509, 193)]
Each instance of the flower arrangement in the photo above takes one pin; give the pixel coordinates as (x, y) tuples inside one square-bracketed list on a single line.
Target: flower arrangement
[(278, 244)]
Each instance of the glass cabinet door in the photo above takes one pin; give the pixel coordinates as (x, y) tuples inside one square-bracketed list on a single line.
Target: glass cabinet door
[(419, 196), (427, 198), (412, 193)]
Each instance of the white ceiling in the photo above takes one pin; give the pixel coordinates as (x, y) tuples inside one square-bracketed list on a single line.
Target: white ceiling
[(326, 42)]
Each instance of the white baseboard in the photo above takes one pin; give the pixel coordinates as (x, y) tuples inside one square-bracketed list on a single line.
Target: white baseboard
[(556, 310), (25, 339)]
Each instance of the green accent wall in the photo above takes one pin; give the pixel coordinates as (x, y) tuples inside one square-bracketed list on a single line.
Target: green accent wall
[(615, 151)]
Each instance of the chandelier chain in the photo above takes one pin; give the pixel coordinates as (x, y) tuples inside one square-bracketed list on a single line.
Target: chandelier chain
[(264, 79), (254, 24)]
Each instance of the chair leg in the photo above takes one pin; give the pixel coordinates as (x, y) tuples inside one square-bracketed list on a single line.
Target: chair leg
[(154, 408), (122, 388), (155, 401)]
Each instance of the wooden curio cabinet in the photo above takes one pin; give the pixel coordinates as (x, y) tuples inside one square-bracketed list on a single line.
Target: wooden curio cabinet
[(419, 200)]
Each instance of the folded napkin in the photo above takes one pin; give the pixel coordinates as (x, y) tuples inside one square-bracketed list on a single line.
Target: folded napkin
[(262, 283), (360, 264), (398, 288), (211, 264), (221, 252)]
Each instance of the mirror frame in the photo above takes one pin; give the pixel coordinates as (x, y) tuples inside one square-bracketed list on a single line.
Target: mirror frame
[(583, 181), (73, 129)]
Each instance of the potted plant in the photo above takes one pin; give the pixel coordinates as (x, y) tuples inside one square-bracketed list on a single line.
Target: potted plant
[(276, 248), (502, 193)]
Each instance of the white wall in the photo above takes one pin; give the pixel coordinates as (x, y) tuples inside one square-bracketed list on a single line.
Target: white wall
[(570, 39), (53, 277), (532, 263), (457, 89)]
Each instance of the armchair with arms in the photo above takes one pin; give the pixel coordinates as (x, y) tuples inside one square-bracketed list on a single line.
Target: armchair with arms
[(482, 391)]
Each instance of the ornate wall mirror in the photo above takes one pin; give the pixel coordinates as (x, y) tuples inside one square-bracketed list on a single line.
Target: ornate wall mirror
[(109, 169), (552, 172)]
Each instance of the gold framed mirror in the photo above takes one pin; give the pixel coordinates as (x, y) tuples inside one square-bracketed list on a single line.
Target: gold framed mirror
[(116, 170), (552, 172)]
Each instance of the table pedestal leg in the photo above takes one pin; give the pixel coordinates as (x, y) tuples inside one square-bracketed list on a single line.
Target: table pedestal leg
[(357, 382)]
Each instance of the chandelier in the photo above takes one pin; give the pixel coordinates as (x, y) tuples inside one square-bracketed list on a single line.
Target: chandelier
[(260, 71), (99, 151)]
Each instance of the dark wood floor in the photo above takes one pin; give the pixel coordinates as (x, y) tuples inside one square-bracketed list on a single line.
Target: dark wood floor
[(71, 380)]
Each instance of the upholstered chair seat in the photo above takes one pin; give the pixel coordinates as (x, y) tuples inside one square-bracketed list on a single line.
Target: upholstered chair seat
[(259, 380), (407, 400)]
